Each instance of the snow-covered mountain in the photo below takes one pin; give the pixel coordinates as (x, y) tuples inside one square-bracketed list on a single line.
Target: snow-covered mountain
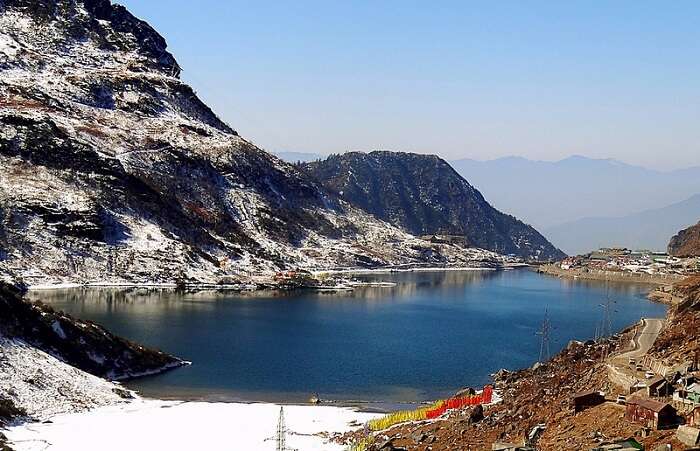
[(111, 168), (424, 195)]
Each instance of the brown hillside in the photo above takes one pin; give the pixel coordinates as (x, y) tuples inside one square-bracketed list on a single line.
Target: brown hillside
[(686, 243)]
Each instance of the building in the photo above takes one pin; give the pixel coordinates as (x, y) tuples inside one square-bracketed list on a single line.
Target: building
[(620, 445), (650, 413), (694, 417), (659, 388), (693, 393), (501, 446), (586, 399), (460, 240)]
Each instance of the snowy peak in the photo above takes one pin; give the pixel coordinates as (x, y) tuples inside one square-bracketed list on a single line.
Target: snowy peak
[(113, 170), (109, 27)]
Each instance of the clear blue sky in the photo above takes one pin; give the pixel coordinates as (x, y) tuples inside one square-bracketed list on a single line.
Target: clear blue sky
[(481, 80)]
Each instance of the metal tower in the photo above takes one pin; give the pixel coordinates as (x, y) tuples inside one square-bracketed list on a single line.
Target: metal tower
[(544, 333), (606, 329), (281, 437)]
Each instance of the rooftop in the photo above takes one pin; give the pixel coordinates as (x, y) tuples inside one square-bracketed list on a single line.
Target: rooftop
[(650, 404)]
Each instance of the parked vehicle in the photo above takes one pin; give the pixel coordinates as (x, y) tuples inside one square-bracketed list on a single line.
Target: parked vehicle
[(640, 367), (649, 375), (621, 399)]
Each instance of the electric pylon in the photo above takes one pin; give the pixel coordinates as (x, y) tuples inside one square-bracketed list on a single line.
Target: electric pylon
[(544, 342), (281, 437)]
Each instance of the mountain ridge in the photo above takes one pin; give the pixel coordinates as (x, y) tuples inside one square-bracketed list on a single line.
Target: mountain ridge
[(424, 195), (686, 243), (112, 170)]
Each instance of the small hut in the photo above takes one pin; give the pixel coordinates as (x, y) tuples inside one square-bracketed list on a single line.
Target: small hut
[(659, 388), (586, 399), (650, 413)]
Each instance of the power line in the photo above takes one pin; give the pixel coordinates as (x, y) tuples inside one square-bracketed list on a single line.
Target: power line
[(606, 329)]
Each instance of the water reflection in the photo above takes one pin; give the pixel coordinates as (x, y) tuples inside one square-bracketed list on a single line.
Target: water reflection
[(430, 334)]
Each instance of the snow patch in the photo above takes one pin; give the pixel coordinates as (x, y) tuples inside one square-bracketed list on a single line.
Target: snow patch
[(8, 46), (173, 425), (45, 386)]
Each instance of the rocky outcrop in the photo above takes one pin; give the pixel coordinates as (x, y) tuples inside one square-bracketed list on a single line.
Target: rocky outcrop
[(82, 344), (686, 243), (8, 412), (425, 196), (84, 23), (3, 443), (112, 169)]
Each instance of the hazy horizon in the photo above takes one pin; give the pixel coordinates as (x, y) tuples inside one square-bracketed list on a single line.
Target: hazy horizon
[(480, 81), (290, 153)]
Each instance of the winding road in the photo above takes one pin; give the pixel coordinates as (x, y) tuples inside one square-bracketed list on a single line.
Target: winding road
[(620, 371), (644, 338)]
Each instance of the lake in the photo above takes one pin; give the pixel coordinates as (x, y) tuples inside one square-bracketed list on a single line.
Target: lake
[(431, 334)]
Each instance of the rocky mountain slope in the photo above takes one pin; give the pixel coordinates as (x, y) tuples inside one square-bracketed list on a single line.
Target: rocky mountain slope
[(112, 169), (51, 363), (82, 344), (679, 342), (686, 243), (541, 395), (537, 403), (424, 195)]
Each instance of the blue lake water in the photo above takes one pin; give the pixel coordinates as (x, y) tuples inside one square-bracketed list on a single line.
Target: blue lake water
[(431, 334)]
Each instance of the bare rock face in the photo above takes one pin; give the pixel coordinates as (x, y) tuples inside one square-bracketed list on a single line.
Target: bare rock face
[(424, 195), (686, 243), (112, 169)]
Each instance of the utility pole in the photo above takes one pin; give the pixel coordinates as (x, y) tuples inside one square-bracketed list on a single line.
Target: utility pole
[(544, 342)]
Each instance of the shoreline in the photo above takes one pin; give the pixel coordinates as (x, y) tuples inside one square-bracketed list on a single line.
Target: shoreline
[(262, 285), (609, 276), (370, 403)]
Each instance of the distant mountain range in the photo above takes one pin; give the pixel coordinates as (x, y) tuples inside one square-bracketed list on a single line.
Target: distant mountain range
[(581, 203), (423, 195), (547, 194), (650, 229)]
